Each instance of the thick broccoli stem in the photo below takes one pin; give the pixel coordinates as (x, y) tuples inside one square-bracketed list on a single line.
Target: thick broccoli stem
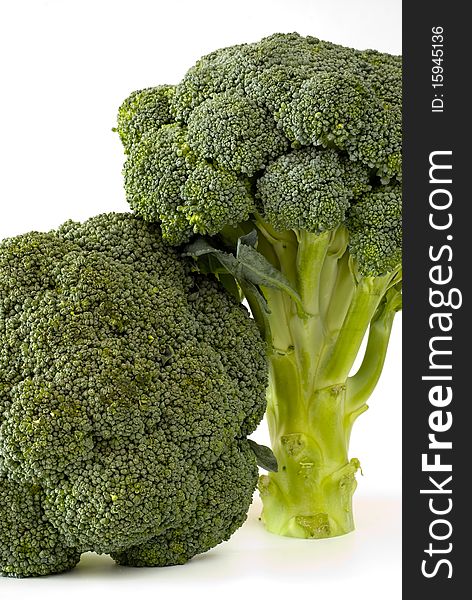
[(312, 401), (310, 495)]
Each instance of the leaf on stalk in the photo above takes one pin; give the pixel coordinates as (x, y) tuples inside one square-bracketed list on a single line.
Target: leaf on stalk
[(264, 456)]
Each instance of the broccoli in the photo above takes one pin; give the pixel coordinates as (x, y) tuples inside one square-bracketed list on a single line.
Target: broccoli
[(278, 163), (128, 385)]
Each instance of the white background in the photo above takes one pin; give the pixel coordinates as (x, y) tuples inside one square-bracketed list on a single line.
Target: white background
[(66, 67)]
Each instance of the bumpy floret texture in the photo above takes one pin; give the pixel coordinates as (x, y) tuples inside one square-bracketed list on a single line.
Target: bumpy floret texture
[(144, 110), (246, 115), (128, 385), (30, 545), (376, 231), (233, 131), (310, 189)]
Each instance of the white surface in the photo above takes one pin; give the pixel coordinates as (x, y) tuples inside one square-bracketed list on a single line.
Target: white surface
[(68, 64), (66, 67)]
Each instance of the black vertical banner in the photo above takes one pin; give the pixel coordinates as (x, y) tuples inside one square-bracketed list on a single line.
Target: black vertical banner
[(437, 464)]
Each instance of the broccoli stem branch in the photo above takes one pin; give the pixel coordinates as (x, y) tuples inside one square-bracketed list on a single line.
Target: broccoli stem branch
[(361, 385), (342, 354)]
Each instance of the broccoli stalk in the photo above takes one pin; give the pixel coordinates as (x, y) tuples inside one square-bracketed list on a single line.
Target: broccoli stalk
[(312, 399), (278, 164)]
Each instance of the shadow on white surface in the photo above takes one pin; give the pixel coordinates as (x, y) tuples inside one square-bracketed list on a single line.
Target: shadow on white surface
[(362, 564)]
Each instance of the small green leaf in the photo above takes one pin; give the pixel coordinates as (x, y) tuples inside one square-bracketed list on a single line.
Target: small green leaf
[(249, 268), (250, 239), (264, 456), (201, 248), (258, 270), (231, 285)]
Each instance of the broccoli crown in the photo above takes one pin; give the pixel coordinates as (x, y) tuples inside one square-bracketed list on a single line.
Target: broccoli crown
[(294, 128), (128, 385)]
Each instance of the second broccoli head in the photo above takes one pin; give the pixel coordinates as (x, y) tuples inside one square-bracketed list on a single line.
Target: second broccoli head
[(304, 132), (128, 385)]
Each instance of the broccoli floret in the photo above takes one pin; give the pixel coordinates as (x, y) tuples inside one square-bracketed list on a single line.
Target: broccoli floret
[(144, 110), (155, 172), (220, 507), (128, 385), (375, 230), (310, 189), (233, 131), (292, 171), (30, 545), (214, 198)]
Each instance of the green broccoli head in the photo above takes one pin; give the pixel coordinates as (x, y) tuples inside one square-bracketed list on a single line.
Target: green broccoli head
[(292, 128), (128, 385)]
